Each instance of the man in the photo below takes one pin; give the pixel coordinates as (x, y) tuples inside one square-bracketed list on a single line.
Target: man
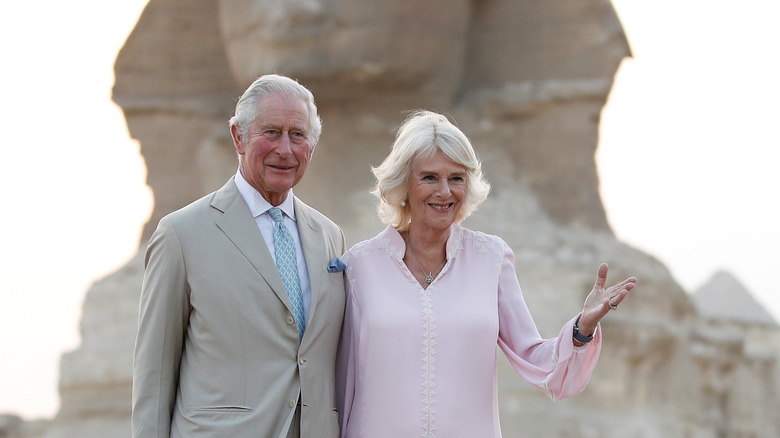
[(228, 344)]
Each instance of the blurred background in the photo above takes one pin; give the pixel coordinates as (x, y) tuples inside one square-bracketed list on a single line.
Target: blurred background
[(687, 162)]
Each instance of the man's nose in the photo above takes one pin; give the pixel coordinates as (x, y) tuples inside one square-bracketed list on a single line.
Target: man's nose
[(284, 144)]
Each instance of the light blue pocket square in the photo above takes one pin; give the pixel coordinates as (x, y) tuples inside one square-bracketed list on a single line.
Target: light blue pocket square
[(336, 265)]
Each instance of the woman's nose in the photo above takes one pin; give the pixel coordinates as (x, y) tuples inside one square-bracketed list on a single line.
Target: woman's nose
[(444, 188)]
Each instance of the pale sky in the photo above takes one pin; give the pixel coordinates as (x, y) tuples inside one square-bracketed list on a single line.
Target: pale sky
[(687, 160), (689, 140)]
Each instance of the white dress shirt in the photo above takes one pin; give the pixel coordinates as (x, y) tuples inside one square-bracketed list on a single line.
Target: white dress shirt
[(259, 207)]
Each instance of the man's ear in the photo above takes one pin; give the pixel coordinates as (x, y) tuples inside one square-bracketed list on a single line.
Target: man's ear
[(237, 142)]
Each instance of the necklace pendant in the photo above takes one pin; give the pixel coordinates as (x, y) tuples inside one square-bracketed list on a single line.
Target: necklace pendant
[(429, 278)]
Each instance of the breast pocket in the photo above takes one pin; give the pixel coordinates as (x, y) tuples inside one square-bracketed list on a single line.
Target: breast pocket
[(336, 279)]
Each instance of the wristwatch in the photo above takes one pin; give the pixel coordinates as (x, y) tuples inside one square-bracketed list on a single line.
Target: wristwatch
[(579, 337)]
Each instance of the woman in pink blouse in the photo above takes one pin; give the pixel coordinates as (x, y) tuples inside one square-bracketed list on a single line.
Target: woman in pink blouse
[(427, 301)]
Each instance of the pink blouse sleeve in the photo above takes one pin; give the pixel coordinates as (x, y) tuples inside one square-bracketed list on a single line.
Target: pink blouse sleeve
[(554, 365)]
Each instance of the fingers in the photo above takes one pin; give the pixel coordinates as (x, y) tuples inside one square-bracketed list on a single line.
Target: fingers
[(626, 285), (602, 275), (619, 292), (601, 299), (615, 300)]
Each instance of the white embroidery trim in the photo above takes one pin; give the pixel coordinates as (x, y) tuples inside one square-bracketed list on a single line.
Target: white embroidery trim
[(429, 365)]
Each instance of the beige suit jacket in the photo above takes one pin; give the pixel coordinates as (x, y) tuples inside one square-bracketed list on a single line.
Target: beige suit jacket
[(217, 352)]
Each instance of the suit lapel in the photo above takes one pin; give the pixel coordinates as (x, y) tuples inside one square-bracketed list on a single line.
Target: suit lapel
[(313, 251), (239, 226)]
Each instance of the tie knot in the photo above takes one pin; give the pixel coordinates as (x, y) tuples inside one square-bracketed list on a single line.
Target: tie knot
[(276, 214)]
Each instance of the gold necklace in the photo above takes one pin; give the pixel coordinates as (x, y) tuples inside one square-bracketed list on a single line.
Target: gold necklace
[(429, 277)]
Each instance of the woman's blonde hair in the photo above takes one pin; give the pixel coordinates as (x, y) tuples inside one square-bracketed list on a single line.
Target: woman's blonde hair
[(422, 135)]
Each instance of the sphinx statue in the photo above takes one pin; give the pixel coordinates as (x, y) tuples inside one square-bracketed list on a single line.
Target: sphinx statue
[(526, 81)]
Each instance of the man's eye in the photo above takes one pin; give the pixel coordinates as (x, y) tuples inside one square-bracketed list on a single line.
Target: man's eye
[(298, 137), (271, 132)]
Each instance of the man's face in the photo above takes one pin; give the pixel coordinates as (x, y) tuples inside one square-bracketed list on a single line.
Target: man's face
[(276, 151)]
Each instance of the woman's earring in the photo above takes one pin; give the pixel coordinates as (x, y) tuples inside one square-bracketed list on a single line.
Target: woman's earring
[(403, 203)]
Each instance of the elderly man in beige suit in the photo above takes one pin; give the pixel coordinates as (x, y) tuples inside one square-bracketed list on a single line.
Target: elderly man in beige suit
[(231, 343)]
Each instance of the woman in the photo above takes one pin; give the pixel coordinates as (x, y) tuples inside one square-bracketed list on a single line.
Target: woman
[(427, 301)]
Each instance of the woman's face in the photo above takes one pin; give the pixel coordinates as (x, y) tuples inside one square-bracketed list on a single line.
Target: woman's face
[(437, 189)]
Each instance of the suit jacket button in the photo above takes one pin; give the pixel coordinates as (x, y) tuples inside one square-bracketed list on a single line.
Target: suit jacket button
[(301, 361), (292, 403), (290, 320)]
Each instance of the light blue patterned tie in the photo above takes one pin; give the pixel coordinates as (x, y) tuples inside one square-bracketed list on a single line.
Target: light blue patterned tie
[(286, 263)]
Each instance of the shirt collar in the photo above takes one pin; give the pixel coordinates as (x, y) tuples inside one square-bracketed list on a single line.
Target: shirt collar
[(397, 246), (257, 204)]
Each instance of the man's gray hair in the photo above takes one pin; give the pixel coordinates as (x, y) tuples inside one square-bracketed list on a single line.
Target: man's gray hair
[(267, 85)]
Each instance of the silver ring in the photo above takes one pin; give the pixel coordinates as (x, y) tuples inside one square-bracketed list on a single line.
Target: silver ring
[(612, 306)]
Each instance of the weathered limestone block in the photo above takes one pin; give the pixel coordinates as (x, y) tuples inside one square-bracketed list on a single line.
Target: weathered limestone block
[(96, 379), (176, 90), (343, 49), (12, 426)]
